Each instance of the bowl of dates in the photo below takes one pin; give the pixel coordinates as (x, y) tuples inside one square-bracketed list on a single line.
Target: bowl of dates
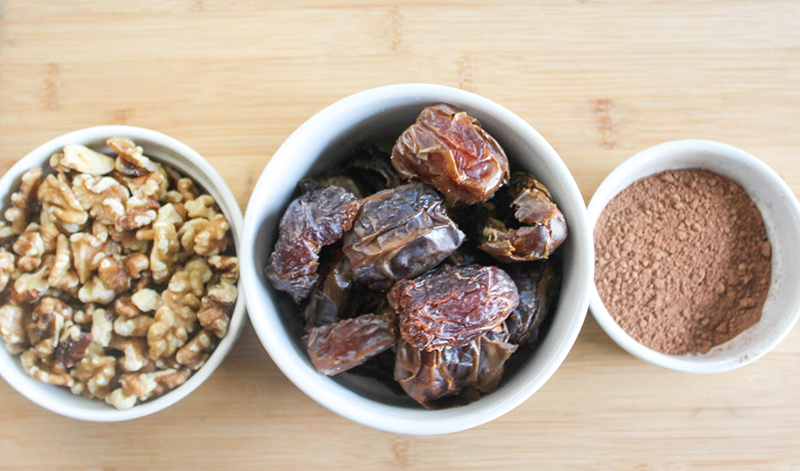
[(416, 258), (118, 273)]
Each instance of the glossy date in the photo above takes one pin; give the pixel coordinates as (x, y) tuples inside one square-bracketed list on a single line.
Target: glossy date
[(449, 149)]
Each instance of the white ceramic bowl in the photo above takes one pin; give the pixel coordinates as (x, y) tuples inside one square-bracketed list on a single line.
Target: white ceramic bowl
[(380, 115), (164, 149), (781, 214)]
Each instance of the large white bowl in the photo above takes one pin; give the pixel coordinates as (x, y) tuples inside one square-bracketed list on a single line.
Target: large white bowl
[(163, 149), (381, 114), (781, 213)]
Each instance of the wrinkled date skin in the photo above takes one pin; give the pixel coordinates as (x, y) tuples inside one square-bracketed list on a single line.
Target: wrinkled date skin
[(333, 296), (544, 229), (338, 347), (310, 222), (400, 233), (428, 376), (451, 306), (538, 285), (447, 148)]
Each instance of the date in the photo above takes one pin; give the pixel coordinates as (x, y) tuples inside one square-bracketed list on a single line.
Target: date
[(538, 285), (310, 222), (449, 149), (333, 296), (338, 347), (542, 226), (451, 306), (400, 233), (429, 376)]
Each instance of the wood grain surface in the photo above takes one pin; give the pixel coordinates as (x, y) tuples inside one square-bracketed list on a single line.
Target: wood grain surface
[(600, 80)]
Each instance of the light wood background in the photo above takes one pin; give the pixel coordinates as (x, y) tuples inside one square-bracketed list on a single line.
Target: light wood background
[(600, 80)]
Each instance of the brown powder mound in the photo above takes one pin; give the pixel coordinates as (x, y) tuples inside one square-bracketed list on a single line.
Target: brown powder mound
[(683, 261)]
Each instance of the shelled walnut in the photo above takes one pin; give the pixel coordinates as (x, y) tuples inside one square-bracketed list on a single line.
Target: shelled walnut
[(118, 274)]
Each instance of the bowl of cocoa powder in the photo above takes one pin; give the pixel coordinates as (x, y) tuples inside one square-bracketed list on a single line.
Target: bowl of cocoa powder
[(697, 264)]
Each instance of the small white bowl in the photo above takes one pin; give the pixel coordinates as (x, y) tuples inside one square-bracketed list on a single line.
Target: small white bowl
[(319, 144), (163, 149), (781, 213)]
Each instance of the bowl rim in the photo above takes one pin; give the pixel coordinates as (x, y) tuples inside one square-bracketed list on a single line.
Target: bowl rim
[(269, 329), (229, 206), (605, 193)]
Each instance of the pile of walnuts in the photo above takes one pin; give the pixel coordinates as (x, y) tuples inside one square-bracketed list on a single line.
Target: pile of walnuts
[(115, 278)]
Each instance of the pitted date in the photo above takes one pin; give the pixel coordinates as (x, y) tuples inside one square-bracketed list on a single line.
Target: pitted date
[(451, 306), (333, 296), (338, 347), (400, 233), (538, 284), (544, 229), (310, 222), (449, 149), (467, 371)]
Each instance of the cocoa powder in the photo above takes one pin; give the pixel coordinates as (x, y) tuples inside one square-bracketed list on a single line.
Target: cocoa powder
[(683, 260)]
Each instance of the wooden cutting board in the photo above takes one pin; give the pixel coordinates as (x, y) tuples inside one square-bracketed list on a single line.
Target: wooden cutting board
[(600, 80)]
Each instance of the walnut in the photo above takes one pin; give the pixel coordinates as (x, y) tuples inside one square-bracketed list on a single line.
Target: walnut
[(201, 207), (227, 266), (12, 329), (216, 307), (125, 307), (46, 323), (174, 197), (135, 264), (103, 197), (133, 327), (195, 353), (82, 159), (147, 300), (148, 385), (120, 400), (134, 352), (29, 287), (189, 231), (88, 251), (29, 246), (45, 371), (6, 232), (66, 207), (187, 189), (94, 291), (49, 231), (62, 276), (94, 374), (165, 250), (148, 186), (7, 261), (72, 346), (113, 275), (167, 334), (130, 160), (82, 316), (85, 235), (199, 273), (102, 326), (129, 243), (145, 281), (23, 201), (213, 239), (166, 363), (139, 212)]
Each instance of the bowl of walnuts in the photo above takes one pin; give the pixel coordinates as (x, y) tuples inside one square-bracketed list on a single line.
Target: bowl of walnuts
[(118, 273), (417, 259)]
